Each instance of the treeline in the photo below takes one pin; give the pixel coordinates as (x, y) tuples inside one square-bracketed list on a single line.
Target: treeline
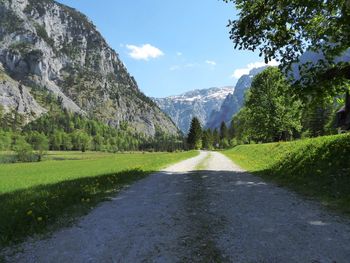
[(271, 113), (199, 138), (62, 130)]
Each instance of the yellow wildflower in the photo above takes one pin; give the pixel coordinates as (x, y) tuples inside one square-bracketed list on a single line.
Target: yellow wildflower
[(29, 212)]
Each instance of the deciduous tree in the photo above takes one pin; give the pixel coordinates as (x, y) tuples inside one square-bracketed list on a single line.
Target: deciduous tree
[(272, 112), (285, 29)]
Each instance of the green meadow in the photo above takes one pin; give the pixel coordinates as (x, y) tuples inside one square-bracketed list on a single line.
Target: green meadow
[(318, 167), (39, 197)]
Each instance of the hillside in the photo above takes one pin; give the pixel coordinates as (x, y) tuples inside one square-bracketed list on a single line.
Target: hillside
[(47, 47), (197, 103), (317, 167)]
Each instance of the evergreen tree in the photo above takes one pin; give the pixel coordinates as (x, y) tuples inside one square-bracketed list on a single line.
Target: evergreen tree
[(194, 138), (216, 138), (317, 118), (223, 131), (207, 139), (231, 130)]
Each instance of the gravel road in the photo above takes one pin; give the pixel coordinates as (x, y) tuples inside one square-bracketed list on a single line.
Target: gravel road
[(218, 213)]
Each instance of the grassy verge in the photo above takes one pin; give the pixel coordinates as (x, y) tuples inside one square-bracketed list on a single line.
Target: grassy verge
[(318, 168), (37, 197)]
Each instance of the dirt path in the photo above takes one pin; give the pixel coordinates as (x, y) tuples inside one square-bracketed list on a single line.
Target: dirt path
[(217, 214)]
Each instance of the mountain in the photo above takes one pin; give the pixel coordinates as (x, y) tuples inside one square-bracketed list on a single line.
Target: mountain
[(310, 58), (50, 48), (233, 102), (198, 103)]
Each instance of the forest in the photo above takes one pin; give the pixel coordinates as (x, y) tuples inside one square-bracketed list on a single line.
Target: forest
[(65, 131)]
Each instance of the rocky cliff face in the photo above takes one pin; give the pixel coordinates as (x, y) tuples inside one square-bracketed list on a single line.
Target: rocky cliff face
[(48, 45), (14, 96), (198, 103), (233, 102)]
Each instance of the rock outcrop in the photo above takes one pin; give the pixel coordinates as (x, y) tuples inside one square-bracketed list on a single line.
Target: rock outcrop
[(15, 96)]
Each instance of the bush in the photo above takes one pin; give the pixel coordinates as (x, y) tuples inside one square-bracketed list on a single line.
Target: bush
[(234, 142), (5, 141), (39, 142), (24, 151)]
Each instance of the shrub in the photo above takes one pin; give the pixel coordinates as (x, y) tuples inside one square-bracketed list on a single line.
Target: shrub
[(39, 142), (24, 151), (5, 141)]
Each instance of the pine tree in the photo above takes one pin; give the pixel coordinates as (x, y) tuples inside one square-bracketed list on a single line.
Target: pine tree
[(207, 139), (194, 138), (223, 131), (216, 138)]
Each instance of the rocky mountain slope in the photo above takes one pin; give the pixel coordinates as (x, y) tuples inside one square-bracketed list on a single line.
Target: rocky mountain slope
[(233, 102), (51, 48), (198, 103), (312, 58)]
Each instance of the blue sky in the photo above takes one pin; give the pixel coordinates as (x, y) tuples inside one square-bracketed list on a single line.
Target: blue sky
[(171, 46)]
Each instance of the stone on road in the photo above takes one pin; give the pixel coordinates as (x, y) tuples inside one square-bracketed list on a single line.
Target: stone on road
[(216, 214)]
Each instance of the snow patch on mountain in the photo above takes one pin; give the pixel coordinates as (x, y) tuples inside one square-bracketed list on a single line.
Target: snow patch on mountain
[(198, 103)]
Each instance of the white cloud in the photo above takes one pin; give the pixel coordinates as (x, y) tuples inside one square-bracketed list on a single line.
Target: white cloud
[(211, 62), (178, 54), (182, 67), (144, 52), (190, 65), (175, 67), (243, 71)]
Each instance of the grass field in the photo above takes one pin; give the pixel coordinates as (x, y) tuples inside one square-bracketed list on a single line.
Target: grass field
[(318, 168), (35, 197)]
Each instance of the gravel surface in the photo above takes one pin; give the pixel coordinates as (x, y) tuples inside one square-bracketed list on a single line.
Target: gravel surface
[(216, 214)]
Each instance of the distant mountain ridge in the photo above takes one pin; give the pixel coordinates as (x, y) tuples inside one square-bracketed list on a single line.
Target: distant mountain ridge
[(233, 102), (47, 47), (197, 103)]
